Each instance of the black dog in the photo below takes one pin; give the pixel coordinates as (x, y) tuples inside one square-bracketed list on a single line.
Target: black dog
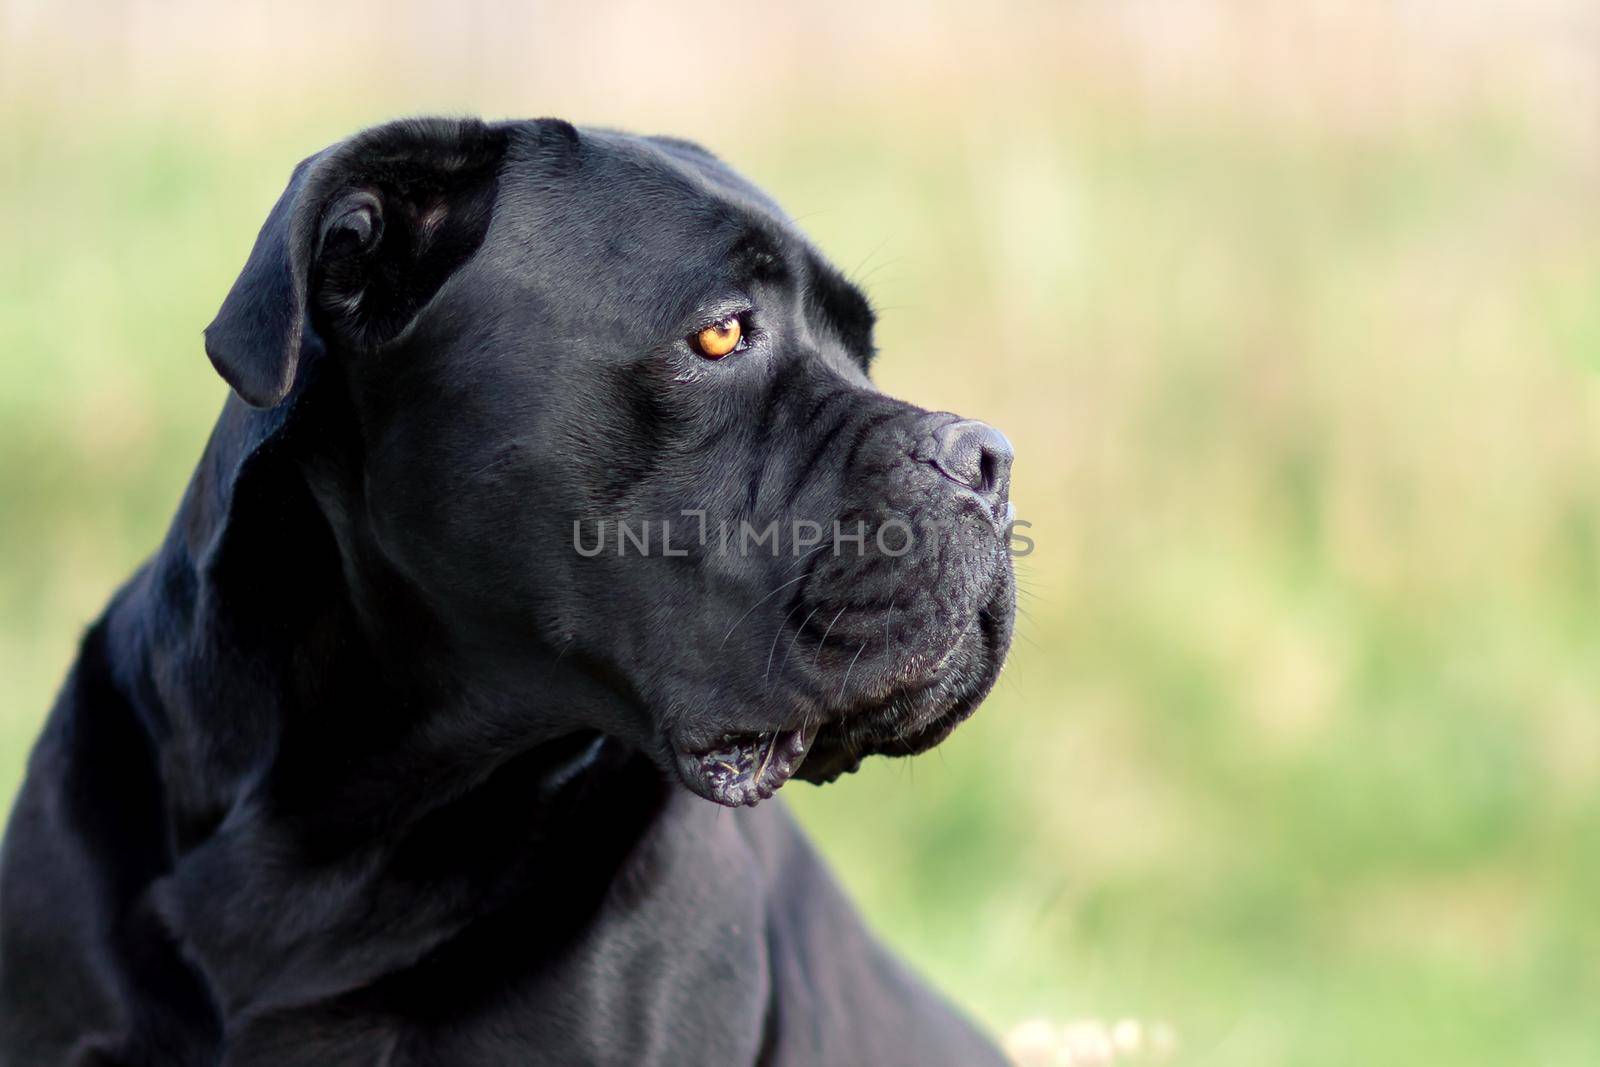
[(554, 483)]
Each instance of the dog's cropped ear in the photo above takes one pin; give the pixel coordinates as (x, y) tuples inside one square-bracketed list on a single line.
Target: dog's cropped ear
[(361, 239)]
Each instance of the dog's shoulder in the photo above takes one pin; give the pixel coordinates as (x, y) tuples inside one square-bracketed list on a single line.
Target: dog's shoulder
[(85, 835)]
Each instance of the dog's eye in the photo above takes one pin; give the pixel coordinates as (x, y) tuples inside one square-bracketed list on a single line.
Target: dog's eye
[(720, 338)]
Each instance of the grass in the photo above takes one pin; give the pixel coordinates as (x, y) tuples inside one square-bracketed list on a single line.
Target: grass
[(1298, 745)]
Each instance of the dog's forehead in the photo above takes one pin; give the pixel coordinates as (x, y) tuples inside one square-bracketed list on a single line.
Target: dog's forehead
[(674, 161), (609, 191), (716, 175)]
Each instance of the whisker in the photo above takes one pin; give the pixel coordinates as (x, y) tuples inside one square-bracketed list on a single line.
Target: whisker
[(800, 630), (815, 660), (753, 607), (889, 615), (855, 275), (850, 668), (774, 649), (802, 558)]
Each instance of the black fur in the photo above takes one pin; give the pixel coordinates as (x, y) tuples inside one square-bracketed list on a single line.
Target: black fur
[(368, 765)]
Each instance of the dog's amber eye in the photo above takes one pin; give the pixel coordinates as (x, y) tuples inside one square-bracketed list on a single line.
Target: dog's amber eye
[(718, 339)]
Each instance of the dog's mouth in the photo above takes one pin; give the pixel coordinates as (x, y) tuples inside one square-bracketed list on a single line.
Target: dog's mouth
[(744, 769)]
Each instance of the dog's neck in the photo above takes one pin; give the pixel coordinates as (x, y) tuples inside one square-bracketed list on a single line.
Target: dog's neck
[(298, 701)]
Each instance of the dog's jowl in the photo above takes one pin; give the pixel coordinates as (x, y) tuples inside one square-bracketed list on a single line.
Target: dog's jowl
[(378, 760)]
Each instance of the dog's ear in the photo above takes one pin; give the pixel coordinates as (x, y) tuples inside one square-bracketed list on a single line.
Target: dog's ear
[(361, 239)]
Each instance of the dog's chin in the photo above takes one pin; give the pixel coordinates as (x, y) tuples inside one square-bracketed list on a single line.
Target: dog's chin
[(914, 720), (744, 769)]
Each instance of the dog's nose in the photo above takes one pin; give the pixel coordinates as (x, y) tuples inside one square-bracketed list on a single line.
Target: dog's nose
[(975, 455)]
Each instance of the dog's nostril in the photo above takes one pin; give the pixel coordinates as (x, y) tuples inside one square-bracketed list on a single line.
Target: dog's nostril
[(987, 468), (976, 455)]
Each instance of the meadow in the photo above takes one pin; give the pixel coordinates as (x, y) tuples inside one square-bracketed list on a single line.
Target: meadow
[(1295, 328)]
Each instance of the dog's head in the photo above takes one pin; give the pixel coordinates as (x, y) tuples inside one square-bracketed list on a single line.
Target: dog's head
[(614, 416)]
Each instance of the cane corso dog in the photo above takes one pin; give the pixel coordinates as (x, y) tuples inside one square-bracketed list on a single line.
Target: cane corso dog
[(552, 524)]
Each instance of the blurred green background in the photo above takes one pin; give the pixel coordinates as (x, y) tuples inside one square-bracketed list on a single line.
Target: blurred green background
[(1291, 310)]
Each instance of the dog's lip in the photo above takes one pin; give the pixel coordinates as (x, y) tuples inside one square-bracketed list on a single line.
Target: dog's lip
[(887, 728), (739, 770)]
